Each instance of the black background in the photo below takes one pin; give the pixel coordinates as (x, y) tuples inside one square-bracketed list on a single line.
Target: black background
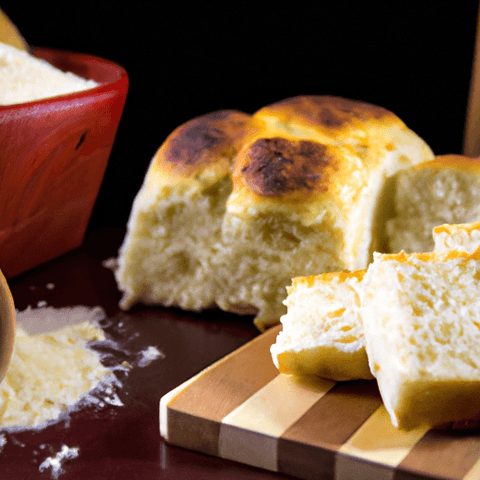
[(187, 59)]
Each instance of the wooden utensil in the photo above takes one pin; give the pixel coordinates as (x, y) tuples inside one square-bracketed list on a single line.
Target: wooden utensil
[(471, 145), (9, 33), (7, 325)]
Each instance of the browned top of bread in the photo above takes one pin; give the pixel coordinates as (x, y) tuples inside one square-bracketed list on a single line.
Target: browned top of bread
[(290, 143), (203, 141), (279, 166), (327, 114)]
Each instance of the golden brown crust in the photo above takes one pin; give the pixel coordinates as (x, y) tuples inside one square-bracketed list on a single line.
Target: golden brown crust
[(310, 280), (452, 161), (302, 165), (331, 113), (277, 167), (468, 424), (202, 141)]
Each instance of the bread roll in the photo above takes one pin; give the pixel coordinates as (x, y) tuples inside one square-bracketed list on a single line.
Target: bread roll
[(234, 206), (445, 190), (421, 318), (322, 332), (174, 232)]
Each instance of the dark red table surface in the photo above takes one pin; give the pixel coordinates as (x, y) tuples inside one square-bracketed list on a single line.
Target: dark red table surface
[(123, 442)]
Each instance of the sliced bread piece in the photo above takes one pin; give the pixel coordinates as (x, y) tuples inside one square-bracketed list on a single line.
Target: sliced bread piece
[(322, 331), (421, 319)]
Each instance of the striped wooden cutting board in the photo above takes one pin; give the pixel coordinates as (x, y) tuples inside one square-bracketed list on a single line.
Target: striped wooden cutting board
[(242, 409)]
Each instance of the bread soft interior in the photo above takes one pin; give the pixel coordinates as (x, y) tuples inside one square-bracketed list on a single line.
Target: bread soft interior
[(443, 191), (175, 243), (421, 318), (322, 332)]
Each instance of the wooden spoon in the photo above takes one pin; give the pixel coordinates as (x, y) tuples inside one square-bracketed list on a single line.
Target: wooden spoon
[(9, 33), (471, 141), (7, 325)]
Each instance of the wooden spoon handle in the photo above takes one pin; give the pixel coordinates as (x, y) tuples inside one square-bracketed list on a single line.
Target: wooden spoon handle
[(471, 142), (9, 33)]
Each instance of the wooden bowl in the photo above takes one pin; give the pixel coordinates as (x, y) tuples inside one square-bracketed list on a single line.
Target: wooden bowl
[(53, 156)]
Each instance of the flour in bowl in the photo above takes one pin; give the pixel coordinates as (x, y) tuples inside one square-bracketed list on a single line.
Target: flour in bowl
[(25, 78)]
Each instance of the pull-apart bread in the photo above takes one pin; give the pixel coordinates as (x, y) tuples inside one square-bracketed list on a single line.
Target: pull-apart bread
[(421, 320), (445, 190), (233, 206)]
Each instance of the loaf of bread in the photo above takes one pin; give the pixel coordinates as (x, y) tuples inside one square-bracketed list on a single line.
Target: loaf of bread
[(445, 190), (322, 331), (421, 319), (233, 206)]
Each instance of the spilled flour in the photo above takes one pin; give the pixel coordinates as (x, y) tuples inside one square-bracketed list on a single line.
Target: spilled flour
[(50, 371), (55, 463), (54, 372)]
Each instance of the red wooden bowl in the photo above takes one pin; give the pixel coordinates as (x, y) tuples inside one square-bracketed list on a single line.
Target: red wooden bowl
[(53, 156)]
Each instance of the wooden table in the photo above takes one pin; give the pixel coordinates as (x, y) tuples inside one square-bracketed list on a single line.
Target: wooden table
[(124, 442)]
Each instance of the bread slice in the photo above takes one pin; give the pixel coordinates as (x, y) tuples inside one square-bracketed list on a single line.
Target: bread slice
[(322, 332), (421, 319), (234, 206), (445, 190), (463, 237)]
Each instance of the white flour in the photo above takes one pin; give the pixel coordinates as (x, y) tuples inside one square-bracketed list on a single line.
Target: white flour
[(25, 78), (51, 371), (56, 463), (148, 356)]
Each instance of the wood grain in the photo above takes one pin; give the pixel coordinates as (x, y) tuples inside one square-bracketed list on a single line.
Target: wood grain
[(308, 428)]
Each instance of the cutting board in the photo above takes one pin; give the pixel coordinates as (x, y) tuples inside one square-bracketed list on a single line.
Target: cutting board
[(242, 409)]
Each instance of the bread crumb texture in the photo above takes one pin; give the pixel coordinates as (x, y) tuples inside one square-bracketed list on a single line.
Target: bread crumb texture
[(421, 319), (445, 190), (322, 332)]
